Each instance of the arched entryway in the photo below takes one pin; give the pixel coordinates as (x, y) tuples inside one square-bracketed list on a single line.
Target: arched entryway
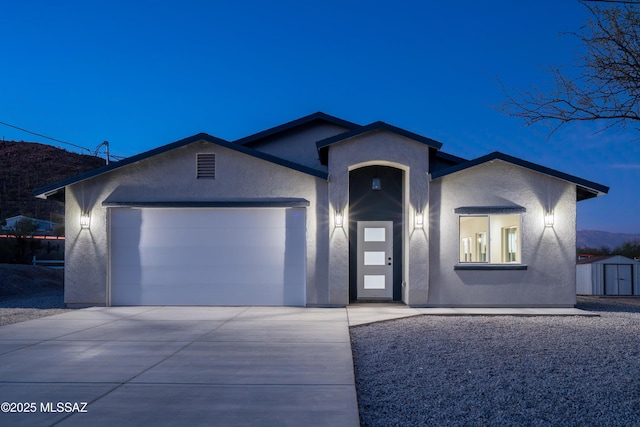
[(375, 233)]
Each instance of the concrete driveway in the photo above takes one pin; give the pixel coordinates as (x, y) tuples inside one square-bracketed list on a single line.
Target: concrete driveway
[(231, 366)]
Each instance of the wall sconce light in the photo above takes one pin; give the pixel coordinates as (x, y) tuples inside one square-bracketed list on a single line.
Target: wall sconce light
[(419, 223), (339, 219), (549, 219), (85, 220), (376, 184)]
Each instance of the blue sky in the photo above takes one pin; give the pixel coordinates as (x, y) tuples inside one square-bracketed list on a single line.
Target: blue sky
[(141, 74)]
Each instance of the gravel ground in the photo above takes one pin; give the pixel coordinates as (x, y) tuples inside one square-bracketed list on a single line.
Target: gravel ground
[(28, 292), (20, 309), (502, 371), (462, 370)]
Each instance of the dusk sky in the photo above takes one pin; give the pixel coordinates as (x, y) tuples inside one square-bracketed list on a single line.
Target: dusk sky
[(142, 74)]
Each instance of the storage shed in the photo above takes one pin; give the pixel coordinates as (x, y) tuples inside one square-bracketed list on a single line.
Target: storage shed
[(608, 275)]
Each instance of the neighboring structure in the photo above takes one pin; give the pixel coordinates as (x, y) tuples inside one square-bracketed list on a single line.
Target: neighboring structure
[(44, 227), (608, 275), (320, 212)]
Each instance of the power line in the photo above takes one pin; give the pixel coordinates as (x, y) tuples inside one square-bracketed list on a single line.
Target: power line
[(45, 136), (109, 155)]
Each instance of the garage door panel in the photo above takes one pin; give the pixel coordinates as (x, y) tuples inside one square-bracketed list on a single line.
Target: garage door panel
[(190, 218), (202, 274), (160, 295), (225, 256), (249, 236), (213, 236), (220, 257), (224, 292), (257, 278)]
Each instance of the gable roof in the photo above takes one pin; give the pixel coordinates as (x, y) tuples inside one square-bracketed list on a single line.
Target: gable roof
[(442, 160), (298, 123), (585, 189), (51, 189), (323, 145), (450, 157)]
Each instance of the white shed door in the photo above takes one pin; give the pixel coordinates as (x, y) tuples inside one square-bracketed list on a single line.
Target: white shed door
[(618, 279), (207, 256)]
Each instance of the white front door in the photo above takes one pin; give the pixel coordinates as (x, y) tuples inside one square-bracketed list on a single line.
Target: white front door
[(375, 260)]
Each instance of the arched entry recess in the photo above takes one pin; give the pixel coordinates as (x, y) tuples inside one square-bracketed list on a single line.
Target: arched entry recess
[(376, 232)]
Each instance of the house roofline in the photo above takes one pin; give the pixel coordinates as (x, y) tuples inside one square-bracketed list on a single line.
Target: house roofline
[(586, 189), (450, 157), (269, 202), (324, 144), (318, 116), (51, 189)]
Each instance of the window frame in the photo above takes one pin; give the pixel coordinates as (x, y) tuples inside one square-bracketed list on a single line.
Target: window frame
[(506, 240), (488, 213)]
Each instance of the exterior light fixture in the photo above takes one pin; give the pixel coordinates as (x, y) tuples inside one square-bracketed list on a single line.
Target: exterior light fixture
[(85, 220), (339, 219), (376, 184), (419, 220), (549, 219)]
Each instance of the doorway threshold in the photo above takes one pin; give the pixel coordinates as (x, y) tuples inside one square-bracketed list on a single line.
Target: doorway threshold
[(375, 301)]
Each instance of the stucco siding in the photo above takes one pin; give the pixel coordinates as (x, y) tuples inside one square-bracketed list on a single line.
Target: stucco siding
[(547, 252), (381, 148), (171, 176), (86, 250), (299, 145)]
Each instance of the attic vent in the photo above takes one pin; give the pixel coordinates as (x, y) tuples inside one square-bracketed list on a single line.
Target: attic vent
[(206, 168)]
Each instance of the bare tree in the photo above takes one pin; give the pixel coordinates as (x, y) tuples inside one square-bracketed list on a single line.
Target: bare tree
[(608, 84)]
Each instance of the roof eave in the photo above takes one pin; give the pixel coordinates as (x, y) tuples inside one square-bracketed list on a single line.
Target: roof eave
[(319, 116), (43, 192), (451, 157), (324, 144), (52, 189), (586, 189), (586, 193)]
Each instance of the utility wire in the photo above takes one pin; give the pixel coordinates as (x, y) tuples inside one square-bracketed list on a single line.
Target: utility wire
[(62, 142), (45, 136)]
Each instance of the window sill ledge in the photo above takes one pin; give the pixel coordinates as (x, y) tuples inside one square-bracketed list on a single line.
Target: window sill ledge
[(490, 267)]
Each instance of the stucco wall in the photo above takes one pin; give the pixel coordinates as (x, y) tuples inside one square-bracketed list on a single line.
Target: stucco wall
[(381, 148), (171, 177), (299, 145), (548, 252)]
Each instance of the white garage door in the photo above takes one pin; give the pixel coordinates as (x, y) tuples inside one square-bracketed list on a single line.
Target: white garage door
[(207, 256)]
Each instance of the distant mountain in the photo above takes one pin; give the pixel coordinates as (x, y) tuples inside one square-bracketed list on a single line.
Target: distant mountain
[(25, 166), (598, 239)]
